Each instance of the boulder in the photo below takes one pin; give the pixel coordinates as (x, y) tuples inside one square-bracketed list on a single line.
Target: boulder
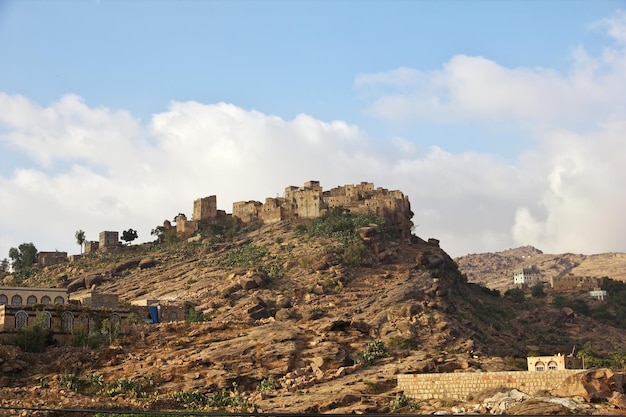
[(593, 385), (538, 408), (93, 279), (76, 284), (147, 263), (124, 265)]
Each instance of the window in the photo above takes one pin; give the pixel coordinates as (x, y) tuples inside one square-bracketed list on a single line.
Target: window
[(45, 300), (173, 316), (82, 321), (539, 366), (47, 322), (67, 321), (21, 319), (16, 300), (4, 299), (552, 366), (116, 319), (31, 300), (59, 300)]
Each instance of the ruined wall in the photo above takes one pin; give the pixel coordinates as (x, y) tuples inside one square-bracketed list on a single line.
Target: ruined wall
[(571, 281), (51, 258), (462, 386)]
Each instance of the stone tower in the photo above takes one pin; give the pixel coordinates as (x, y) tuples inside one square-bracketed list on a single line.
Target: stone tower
[(205, 208)]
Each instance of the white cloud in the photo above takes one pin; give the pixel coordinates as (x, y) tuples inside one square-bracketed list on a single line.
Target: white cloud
[(477, 89), (100, 169)]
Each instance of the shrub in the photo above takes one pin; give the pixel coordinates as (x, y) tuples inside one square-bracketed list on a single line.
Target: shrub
[(70, 381), (268, 384), (399, 342), (373, 350), (357, 254)]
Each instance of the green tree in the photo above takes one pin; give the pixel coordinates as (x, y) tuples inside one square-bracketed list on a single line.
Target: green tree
[(129, 235), (516, 295), (4, 266), (23, 257), (80, 239), (159, 233), (537, 291)]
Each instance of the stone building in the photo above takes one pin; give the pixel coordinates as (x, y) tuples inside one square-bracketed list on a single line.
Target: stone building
[(109, 239), (526, 276), (311, 201), (553, 363), (205, 208), (19, 296), (51, 258), (21, 306), (571, 282)]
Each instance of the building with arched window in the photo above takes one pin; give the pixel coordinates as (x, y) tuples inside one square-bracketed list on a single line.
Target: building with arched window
[(553, 363), (33, 295)]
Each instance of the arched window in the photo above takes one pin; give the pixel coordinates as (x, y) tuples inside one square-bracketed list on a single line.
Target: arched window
[(539, 366), (59, 300), (552, 366), (16, 300), (31, 300), (82, 321), (116, 319), (21, 319), (4, 299), (173, 316), (45, 300), (67, 321), (47, 319)]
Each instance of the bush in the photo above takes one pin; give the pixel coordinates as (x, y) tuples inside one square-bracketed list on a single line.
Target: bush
[(357, 254), (373, 350)]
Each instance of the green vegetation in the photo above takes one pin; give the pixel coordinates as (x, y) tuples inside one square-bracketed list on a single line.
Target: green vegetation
[(23, 259), (340, 224), (94, 383), (80, 239), (220, 400), (36, 337), (129, 235), (268, 384), (399, 342), (243, 256), (373, 350), (195, 316)]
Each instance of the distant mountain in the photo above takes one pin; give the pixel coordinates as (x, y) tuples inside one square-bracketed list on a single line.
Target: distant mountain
[(495, 270)]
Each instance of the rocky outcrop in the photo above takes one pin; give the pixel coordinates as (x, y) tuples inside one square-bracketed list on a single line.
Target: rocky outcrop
[(593, 385)]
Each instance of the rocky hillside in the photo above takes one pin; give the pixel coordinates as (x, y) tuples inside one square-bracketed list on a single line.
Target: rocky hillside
[(495, 270), (299, 318)]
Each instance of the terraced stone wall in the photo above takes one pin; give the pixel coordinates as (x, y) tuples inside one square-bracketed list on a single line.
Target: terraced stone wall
[(462, 386)]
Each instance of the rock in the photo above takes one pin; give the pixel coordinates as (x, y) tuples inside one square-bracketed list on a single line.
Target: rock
[(618, 400), (592, 385), (76, 284), (147, 263), (93, 279), (537, 407), (124, 265)]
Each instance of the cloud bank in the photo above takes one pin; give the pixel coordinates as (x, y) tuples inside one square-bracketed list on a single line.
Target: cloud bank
[(95, 168)]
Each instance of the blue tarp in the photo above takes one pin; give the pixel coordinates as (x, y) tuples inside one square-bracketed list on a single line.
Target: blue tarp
[(154, 313)]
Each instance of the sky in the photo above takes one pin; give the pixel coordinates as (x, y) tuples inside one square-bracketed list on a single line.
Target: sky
[(504, 122)]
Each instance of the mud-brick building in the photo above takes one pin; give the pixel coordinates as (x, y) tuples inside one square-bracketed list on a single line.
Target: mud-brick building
[(19, 296), (571, 281), (311, 201), (45, 259), (553, 363), (21, 307)]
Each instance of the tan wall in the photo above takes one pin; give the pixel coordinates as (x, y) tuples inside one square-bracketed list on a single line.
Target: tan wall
[(94, 299), (109, 239), (37, 293), (462, 386)]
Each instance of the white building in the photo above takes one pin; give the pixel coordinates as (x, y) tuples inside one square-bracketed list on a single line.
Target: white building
[(526, 276)]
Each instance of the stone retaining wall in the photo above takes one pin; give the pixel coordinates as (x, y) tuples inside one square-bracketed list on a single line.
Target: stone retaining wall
[(461, 386)]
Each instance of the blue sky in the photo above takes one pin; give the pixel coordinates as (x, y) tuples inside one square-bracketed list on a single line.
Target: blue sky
[(502, 120)]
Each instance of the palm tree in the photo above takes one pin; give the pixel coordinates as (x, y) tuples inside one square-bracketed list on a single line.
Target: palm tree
[(80, 239)]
